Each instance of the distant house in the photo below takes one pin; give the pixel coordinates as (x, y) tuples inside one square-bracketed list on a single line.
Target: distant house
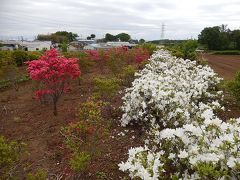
[(9, 45), (90, 47), (36, 45), (79, 44), (86, 41), (75, 46), (26, 45), (120, 44), (6, 48), (117, 44), (96, 46)]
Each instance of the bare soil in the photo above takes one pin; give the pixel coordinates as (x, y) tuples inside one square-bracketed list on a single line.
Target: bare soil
[(225, 65)]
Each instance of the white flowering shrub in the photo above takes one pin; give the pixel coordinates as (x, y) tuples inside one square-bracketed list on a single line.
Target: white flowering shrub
[(210, 150), (167, 90), (186, 139)]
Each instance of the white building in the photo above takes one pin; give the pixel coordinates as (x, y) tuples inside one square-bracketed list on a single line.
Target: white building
[(108, 45), (26, 45), (117, 44), (86, 41), (96, 46), (120, 44), (9, 45), (36, 45)]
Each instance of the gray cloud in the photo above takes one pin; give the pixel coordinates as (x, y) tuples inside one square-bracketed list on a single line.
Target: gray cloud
[(141, 18)]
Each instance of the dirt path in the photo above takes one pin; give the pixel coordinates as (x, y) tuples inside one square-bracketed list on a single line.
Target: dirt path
[(225, 65)]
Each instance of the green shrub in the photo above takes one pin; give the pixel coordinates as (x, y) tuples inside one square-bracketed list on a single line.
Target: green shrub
[(234, 86), (79, 161), (70, 54), (5, 60), (83, 137), (10, 154), (64, 46), (33, 55), (149, 47), (77, 140), (101, 175), (91, 110), (85, 64), (106, 87), (185, 50), (20, 57), (127, 75), (209, 170), (116, 61), (88, 126), (9, 73), (77, 136), (39, 175)]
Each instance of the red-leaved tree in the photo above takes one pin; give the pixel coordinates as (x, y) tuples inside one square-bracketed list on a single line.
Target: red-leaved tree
[(53, 72)]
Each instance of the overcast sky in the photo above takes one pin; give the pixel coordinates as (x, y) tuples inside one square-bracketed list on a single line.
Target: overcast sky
[(140, 18)]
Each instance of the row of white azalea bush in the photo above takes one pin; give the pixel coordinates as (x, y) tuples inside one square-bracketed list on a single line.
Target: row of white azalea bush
[(177, 100)]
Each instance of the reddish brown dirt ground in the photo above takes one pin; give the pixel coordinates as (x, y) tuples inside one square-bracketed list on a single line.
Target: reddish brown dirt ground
[(225, 65), (23, 118)]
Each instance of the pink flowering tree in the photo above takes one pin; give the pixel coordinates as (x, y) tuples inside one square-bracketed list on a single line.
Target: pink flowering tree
[(54, 72)]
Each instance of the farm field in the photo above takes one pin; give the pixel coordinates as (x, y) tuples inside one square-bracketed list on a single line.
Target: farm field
[(225, 65), (24, 119)]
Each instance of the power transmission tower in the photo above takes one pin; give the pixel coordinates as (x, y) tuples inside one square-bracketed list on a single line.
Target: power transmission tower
[(163, 29)]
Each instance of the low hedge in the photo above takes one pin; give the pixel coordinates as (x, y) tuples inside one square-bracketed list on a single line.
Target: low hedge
[(227, 52)]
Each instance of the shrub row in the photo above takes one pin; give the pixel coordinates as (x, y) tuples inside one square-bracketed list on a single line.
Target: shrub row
[(177, 100)]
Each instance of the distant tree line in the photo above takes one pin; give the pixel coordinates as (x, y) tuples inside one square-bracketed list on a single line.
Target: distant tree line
[(220, 38), (167, 42), (92, 36), (124, 37), (58, 37), (66, 37)]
